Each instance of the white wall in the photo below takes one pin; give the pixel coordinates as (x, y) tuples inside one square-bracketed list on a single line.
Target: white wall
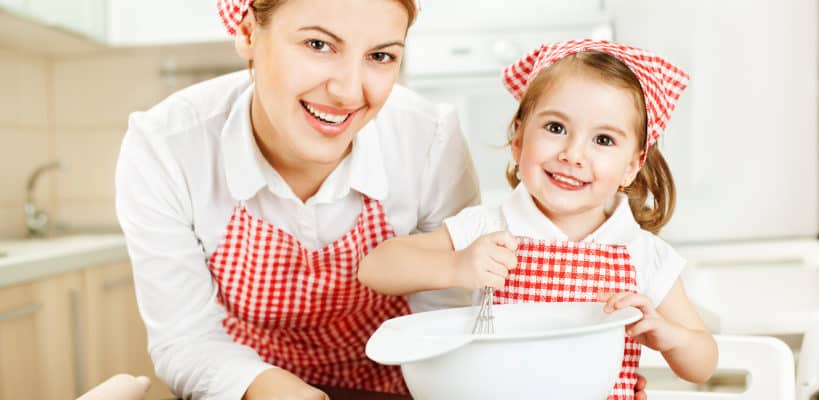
[(743, 141)]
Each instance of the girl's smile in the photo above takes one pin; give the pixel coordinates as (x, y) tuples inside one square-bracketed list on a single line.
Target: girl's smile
[(566, 182)]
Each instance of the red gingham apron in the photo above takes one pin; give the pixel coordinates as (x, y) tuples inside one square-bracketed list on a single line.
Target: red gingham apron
[(304, 310), (575, 271)]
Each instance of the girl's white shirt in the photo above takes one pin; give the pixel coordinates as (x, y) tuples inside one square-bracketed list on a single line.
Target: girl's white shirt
[(186, 163), (656, 263)]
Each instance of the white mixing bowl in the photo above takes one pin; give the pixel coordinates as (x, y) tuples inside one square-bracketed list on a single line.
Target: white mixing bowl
[(539, 351)]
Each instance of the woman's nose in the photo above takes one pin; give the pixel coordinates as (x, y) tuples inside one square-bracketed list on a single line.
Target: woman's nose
[(346, 84)]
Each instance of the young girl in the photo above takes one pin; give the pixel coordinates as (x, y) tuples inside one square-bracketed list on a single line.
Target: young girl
[(590, 194)]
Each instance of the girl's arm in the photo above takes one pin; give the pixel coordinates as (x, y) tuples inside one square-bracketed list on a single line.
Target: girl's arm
[(427, 261), (694, 358), (674, 329)]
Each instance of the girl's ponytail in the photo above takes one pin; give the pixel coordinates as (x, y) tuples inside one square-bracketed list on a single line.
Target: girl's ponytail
[(652, 196)]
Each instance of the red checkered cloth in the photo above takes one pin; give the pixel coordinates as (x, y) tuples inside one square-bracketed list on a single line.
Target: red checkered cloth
[(575, 271), (233, 11), (661, 81), (305, 310)]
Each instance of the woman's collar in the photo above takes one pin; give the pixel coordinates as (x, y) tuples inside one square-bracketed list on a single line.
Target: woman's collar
[(247, 171)]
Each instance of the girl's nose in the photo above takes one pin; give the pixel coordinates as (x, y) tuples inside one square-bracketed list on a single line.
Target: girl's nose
[(573, 153)]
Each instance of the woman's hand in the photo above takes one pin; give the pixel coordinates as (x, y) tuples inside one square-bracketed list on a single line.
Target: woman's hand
[(486, 262), (278, 384), (652, 330)]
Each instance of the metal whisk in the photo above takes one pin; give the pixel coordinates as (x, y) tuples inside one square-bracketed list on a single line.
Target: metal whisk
[(485, 321)]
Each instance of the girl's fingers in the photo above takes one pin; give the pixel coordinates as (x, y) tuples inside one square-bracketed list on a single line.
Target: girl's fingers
[(614, 301), (504, 257), (505, 239), (496, 282), (640, 327), (639, 301), (496, 268)]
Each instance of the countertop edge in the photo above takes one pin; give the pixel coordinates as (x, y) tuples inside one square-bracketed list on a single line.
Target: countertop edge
[(31, 270)]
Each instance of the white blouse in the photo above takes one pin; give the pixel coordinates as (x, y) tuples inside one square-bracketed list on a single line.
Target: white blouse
[(184, 165), (656, 263)]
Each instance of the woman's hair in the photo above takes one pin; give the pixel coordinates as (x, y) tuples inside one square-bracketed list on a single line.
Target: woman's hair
[(652, 195), (263, 9)]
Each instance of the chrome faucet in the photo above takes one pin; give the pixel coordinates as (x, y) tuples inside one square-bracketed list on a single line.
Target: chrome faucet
[(37, 219)]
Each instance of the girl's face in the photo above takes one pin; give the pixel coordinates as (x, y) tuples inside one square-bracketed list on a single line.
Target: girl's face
[(578, 146), (322, 70)]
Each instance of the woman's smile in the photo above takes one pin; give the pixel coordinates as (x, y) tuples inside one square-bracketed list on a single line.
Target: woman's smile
[(327, 120)]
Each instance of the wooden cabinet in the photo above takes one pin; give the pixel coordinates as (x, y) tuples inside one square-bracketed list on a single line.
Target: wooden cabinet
[(62, 335), (113, 330), (38, 339)]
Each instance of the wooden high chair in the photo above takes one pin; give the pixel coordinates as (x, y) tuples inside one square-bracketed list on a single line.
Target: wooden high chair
[(767, 360)]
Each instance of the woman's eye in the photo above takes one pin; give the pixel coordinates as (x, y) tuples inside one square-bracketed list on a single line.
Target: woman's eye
[(318, 45), (604, 140), (555, 128), (382, 57)]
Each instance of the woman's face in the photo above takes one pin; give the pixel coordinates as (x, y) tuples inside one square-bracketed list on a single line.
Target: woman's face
[(323, 69)]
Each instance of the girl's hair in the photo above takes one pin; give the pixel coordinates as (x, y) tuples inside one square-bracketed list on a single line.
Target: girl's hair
[(652, 195), (263, 11)]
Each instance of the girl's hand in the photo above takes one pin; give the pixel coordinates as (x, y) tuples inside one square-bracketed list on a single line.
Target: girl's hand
[(652, 330), (486, 262), (278, 384)]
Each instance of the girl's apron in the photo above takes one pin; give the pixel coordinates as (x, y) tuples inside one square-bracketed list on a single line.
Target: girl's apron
[(575, 272), (304, 310)]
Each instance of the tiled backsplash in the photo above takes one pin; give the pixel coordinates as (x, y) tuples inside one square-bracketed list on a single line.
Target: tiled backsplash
[(75, 109)]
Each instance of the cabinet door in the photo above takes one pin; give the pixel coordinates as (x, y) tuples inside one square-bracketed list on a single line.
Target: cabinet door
[(38, 344), (87, 17), (147, 22), (115, 335)]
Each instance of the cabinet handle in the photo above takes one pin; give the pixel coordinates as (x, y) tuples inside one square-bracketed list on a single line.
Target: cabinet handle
[(117, 283), (20, 312), (77, 343)]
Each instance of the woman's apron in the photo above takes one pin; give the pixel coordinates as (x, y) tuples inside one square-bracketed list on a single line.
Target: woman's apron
[(302, 310), (575, 272)]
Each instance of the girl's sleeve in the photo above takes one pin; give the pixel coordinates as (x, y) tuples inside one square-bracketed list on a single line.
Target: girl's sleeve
[(177, 298), (658, 266)]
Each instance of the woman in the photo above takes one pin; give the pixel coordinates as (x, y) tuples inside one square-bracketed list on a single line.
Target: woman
[(247, 201)]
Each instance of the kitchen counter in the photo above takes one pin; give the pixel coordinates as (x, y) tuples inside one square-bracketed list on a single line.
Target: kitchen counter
[(352, 394), (30, 259)]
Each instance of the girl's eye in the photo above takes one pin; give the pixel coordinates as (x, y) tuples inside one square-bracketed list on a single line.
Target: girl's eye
[(318, 45), (382, 57), (555, 128), (604, 140)]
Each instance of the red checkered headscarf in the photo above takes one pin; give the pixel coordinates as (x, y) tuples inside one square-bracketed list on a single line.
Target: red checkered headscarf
[(661, 82), (233, 11)]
